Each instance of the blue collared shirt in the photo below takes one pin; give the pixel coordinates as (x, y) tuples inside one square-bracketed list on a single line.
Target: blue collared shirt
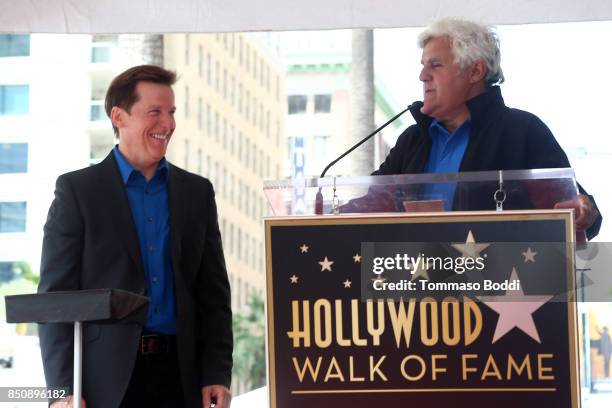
[(447, 150), (149, 204)]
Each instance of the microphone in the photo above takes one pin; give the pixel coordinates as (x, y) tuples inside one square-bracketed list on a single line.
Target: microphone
[(319, 196)]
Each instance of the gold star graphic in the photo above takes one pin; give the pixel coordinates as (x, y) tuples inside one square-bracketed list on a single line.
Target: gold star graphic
[(529, 255), (470, 249), (326, 264), (304, 248), (347, 283), (293, 278), (419, 270), (357, 258)]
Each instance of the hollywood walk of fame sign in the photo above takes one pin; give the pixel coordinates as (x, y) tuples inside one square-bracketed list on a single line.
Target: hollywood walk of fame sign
[(330, 344)]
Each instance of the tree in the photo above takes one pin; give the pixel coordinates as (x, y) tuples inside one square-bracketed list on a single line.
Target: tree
[(249, 344)]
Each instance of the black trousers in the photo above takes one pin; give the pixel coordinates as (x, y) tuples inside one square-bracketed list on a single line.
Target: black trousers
[(155, 381)]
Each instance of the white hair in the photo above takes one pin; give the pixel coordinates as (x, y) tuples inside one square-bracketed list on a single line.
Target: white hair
[(469, 42)]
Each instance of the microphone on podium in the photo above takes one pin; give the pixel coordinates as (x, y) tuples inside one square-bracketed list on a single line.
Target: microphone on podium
[(319, 196)]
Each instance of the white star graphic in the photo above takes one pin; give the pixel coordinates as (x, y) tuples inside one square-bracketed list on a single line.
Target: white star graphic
[(515, 309), (529, 255), (304, 248), (420, 270), (293, 278), (470, 249), (357, 258), (326, 264), (347, 283)]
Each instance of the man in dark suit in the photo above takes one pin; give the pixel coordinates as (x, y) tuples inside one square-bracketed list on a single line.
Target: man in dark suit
[(138, 223)]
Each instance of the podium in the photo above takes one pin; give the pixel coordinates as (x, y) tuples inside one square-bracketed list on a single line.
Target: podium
[(428, 290), (77, 307)]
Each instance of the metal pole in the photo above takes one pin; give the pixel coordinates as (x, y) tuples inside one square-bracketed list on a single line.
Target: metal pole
[(78, 358)]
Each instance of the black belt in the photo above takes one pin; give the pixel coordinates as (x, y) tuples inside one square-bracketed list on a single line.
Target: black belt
[(153, 343)]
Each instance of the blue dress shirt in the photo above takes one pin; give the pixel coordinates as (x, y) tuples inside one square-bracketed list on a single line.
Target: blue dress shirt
[(447, 150), (149, 205)]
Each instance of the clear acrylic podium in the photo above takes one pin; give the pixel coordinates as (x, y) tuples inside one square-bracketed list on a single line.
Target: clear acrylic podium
[(467, 191)]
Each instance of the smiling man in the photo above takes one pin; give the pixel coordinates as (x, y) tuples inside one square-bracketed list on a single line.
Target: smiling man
[(136, 222), (463, 124)]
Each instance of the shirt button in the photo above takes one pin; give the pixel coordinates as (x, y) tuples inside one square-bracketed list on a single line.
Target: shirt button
[(150, 219), (154, 310), (151, 248), (155, 279)]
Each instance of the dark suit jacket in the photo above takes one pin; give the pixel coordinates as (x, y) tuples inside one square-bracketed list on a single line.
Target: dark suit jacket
[(90, 242)]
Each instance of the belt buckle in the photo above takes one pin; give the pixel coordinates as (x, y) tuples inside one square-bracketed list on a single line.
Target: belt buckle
[(150, 344)]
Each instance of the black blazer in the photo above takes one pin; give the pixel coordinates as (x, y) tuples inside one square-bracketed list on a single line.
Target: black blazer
[(90, 241)]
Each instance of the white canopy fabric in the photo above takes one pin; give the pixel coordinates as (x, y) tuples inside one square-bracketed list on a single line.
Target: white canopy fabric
[(157, 16)]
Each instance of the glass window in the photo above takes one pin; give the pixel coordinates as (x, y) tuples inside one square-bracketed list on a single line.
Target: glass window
[(200, 61), (322, 103), (14, 45), (320, 146), (13, 157), (14, 99), (199, 162), (100, 54), (8, 271), (297, 104), (186, 107), (13, 216), (200, 113)]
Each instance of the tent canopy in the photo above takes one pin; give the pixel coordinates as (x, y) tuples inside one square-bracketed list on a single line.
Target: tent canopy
[(156, 16)]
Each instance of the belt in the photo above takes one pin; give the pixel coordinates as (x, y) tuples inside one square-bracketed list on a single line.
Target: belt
[(154, 343)]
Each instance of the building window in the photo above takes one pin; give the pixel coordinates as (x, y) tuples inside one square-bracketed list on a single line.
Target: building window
[(224, 83), (233, 91), (232, 139), (199, 162), (240, 98), (13, 158), (217, 76), (239, 146), (14, 99), (208, 69), (322, 103), (216, 127), (186, 155), (239, 244), (200, 61), (224, 136), (200, 113), (224, 185), (240, 49), (321, 147), (14, 45), (13, 216), (297, 104), (8, 271), (208, 121), (186, 106), (186, 49)]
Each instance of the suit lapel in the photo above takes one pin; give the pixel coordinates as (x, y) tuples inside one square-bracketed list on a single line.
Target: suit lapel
[(119, 206), (177, 213)]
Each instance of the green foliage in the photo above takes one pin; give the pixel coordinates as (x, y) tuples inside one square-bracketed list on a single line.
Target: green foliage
[(249, 343)]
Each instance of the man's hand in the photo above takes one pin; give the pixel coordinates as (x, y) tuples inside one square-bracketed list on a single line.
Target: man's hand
[(219, 393), (65, 403), (586, 214)]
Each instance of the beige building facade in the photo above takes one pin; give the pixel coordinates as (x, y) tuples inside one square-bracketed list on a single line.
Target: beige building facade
[(231, 106)]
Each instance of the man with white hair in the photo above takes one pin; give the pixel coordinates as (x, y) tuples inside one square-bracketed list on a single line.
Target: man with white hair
[(463, 124)]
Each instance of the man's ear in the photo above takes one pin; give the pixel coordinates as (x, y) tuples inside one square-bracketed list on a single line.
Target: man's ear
[(478, 71), (117, 117)]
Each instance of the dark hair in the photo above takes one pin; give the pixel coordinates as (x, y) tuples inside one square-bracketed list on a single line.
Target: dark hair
[(122, 90)]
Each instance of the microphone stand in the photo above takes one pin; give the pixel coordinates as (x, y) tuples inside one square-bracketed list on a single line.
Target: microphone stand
[(319, 196)]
